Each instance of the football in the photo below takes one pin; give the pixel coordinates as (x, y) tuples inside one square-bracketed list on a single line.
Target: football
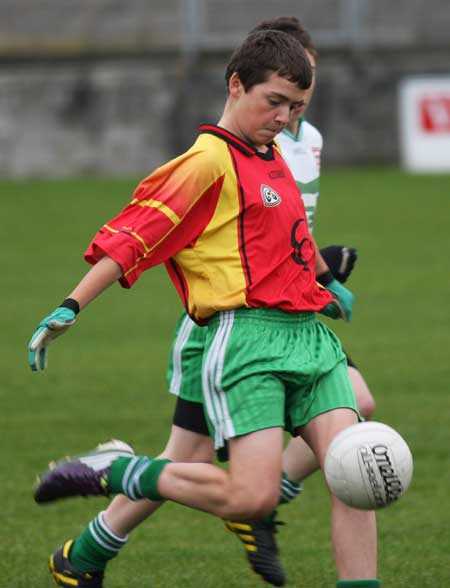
[(368, 466)]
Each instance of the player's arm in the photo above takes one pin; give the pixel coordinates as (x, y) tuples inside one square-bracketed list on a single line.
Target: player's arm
[(342, 306), (168, 211), (98, 279), (102, 275), (152, 228)]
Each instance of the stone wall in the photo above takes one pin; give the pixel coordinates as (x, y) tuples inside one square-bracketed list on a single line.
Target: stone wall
[(113, 90), (84, 118)]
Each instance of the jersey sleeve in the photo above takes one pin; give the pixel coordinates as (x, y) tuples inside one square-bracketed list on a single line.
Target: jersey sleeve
[(168, 212)]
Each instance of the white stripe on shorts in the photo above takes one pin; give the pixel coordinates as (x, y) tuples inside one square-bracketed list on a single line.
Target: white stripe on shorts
[(215, 397), (182, 338)]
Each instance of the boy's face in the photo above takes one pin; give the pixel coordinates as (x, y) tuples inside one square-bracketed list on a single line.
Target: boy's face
[(300, 110), (262, 112)]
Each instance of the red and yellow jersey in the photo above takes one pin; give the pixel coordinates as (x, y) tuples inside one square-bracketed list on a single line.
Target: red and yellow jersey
[(229, 224)]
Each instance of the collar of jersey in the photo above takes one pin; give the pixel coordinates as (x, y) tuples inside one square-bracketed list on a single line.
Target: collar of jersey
[(298, 137), (232, 139)]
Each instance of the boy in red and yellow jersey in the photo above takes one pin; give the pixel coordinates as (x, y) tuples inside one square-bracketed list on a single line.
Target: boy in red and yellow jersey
[(227, 220)]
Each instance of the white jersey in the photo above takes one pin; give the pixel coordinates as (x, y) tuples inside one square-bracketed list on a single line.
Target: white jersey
[(302, 154)]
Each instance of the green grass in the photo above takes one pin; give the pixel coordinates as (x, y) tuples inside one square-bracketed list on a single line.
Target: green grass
[(106, 378)]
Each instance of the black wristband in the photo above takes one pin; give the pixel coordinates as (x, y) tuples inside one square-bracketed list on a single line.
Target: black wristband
[(325, 278), (72, 304)]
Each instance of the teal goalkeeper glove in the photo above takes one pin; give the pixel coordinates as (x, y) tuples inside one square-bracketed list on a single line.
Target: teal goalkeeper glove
[(342, 305), (54, 325)]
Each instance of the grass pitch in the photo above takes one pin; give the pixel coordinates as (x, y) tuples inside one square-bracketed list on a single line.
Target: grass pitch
[(106, 379)]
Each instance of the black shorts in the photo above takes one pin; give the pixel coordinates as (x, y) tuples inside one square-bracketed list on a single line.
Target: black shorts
[(190, 416)]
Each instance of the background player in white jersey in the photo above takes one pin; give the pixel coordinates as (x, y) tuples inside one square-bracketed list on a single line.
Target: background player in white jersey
[(189, 439)]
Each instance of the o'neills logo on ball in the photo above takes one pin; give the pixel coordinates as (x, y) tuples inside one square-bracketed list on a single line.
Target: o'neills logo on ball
[(378, 464), (392, 483), (269, 196)]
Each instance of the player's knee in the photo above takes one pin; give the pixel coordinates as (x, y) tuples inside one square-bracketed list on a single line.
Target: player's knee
[(364, 398), (366, 406), (265, 505), (245, 504)]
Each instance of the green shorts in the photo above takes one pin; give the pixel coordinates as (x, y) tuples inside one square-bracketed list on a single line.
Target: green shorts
[(267, 368), (184, 375)]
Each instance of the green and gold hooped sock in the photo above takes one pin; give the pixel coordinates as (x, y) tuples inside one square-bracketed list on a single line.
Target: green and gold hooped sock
[(136, 477), (289, 489), (95, 547)]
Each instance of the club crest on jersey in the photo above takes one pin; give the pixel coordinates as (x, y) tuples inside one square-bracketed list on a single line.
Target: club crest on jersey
[(269, 196)]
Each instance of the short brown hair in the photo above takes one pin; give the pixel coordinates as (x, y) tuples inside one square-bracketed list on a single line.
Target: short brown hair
[(290, 25), (266, 52)]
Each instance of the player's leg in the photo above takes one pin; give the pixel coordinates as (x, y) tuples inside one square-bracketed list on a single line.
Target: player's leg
[(271, 414), (123, 514), (355, 559), (87, 556), (332, 409), (255, 462), (299, 461), (341, 261), (189, 440), (258, 539), (244, 404), (239, 400), (364, 398)]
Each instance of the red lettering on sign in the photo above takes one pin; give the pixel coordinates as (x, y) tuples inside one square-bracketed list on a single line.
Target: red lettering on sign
[(435, 114)]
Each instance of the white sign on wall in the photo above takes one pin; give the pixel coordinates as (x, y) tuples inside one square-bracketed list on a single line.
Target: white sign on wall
[(424, 117)]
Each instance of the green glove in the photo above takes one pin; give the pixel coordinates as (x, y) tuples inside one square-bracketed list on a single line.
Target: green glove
[(54, 325), (342, 305)]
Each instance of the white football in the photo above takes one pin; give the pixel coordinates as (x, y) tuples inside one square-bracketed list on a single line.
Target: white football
[(368, 466)]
